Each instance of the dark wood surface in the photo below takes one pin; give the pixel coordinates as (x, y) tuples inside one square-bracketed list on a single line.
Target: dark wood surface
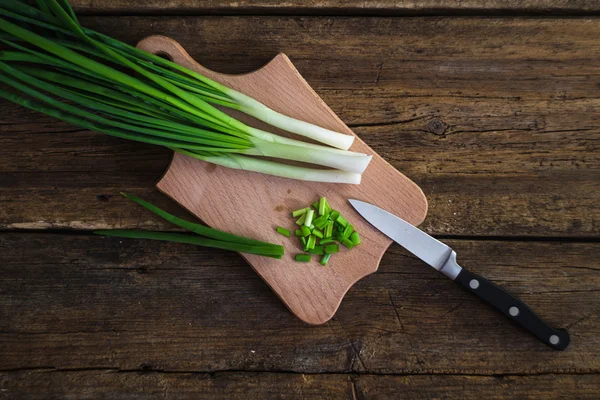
[(340, 7), (495, 117)]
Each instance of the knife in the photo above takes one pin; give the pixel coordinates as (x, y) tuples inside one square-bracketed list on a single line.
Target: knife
[(443, 258)]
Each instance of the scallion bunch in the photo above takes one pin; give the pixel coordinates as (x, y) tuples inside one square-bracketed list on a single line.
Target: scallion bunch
[(57, 67)]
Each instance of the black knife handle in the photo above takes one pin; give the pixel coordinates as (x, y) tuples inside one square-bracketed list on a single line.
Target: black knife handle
[(514, 309)]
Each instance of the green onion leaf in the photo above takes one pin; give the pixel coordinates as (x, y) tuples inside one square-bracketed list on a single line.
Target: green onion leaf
[(268, 251), (332, 248), (303, 257), (325, 259), (355, 238), (301, 211), (283, 231), (309, 217)]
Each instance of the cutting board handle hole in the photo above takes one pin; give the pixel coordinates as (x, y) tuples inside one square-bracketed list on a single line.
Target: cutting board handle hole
[(163, 54)]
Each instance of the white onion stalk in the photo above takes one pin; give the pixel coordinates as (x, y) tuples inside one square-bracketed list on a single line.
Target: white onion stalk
[(241, 162), (323, 156), (260, 111)]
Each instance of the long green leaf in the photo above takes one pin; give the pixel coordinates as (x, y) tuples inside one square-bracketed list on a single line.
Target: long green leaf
[(94, 126), (220, 146), (96, 67), (26, 74), (193, 227), (267, 251)]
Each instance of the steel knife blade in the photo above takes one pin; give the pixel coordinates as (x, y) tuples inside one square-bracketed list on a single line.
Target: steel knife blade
[(441, 257)]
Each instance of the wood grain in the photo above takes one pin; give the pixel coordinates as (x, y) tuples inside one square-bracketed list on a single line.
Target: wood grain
[(78, 301), (237, 201), (114, 384), (339, 7), (495, 118)]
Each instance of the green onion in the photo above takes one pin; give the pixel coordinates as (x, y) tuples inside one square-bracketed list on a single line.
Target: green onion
[(347, 231), (327, 241), (322, 203), (91, 80), (332, 248), (267, 251), (348, 243), (301, 220), (283, 231), (299, 212), (328, 229), (194, 227), (355, 238), (342, 221), (303, 257), (321, 237), (317, 250), (325, 259), (205, 236), (320, 222), (305, 231), (310, 243), (309, 217)]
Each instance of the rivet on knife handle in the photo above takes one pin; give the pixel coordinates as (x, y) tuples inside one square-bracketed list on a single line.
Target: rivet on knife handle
[(514, 309)]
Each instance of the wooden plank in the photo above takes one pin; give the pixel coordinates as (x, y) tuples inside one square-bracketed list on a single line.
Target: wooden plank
[(133, 385), (79, 301), (494, 118), (339, 7)]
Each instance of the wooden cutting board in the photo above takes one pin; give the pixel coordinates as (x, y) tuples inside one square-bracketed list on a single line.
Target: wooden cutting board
[(252, 204)]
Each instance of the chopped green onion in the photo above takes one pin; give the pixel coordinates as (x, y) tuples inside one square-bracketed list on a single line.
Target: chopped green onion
[(327, 241), (322, 203), (298, 232), (305, 230), (315, 205), (317, 233), (348, 243), (303, 240), (355, 238), (332, 248), (310, 243), (283, 231), (301, 220), (333, 215), (299, 212), (347, 231), (341, 220), (309, 217), (327, 208), (325, 259), (329, 229), (317, 250), (303, 257)]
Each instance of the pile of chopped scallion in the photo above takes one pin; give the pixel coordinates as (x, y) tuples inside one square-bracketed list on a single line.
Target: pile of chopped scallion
[(321, 228), (203, 235)]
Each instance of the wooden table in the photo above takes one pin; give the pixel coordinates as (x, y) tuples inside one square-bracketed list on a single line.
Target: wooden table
[(493, 110)]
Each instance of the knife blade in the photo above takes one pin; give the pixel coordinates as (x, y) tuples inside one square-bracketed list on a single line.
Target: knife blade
[(442, 258)]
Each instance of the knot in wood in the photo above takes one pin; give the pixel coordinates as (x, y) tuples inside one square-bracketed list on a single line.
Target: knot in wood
[(436, 126)]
